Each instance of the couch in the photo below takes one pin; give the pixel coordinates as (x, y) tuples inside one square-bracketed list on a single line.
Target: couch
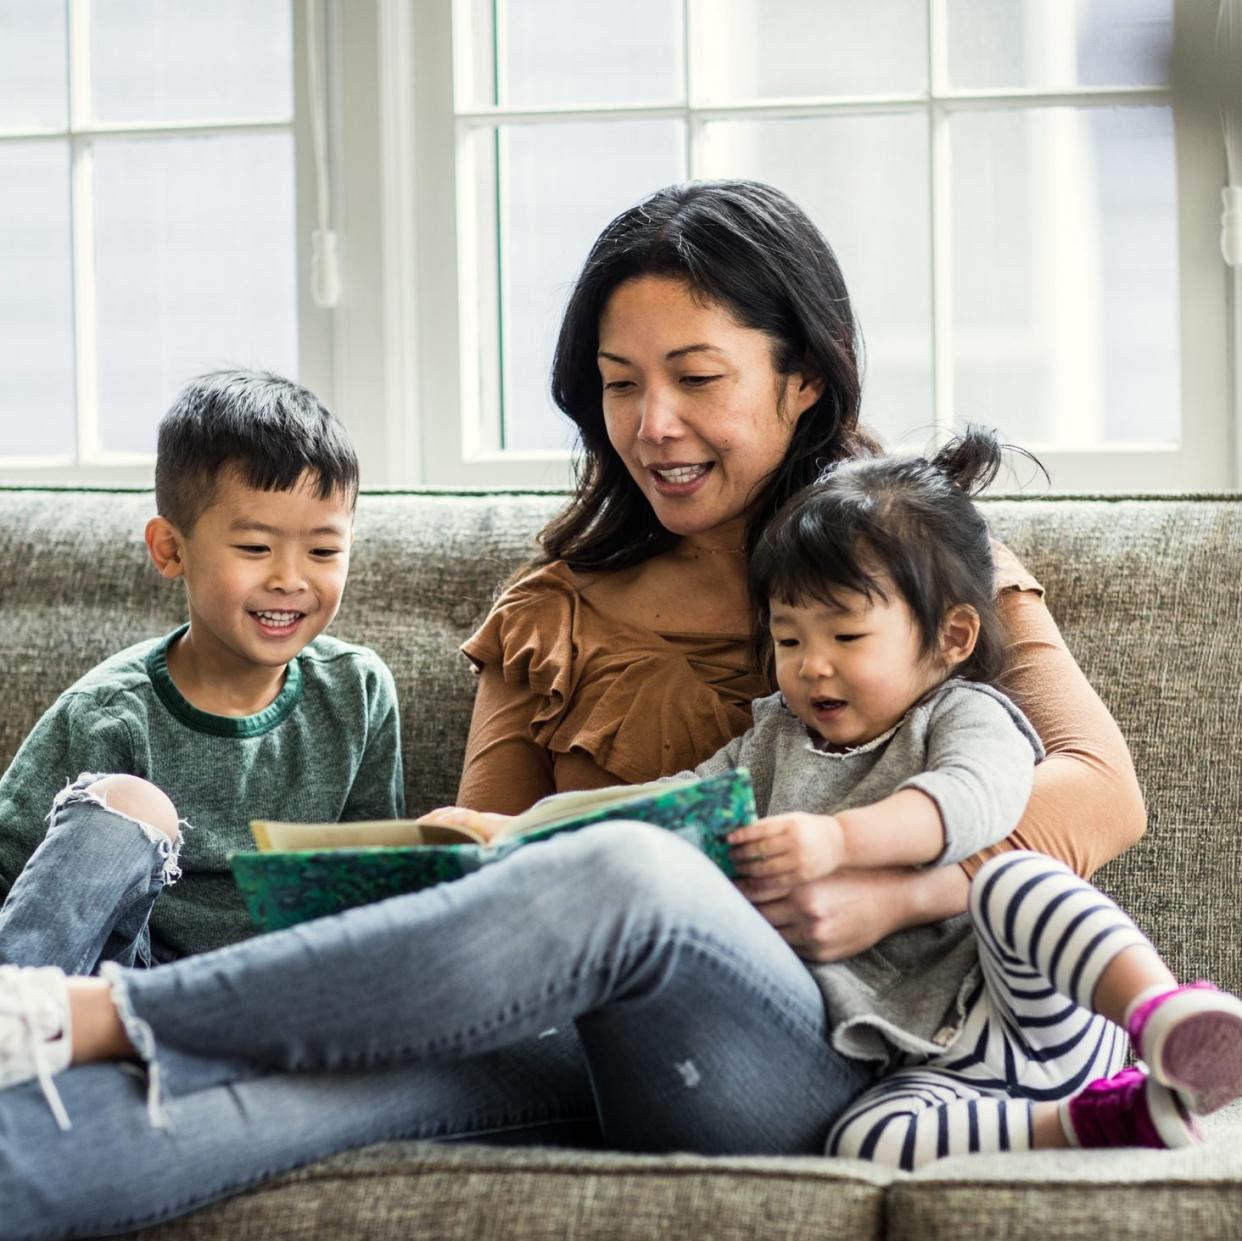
[(1147, 592)]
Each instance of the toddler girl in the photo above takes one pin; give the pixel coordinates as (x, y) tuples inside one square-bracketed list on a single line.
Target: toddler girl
[(1004, 1028)]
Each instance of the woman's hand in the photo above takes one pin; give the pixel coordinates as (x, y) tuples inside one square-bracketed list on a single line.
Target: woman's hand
[(481, 821), (788, 848), (849, 911)]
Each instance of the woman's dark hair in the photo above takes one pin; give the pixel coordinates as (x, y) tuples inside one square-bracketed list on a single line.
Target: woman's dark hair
[(268, 429), (890, 523), (748, 248)]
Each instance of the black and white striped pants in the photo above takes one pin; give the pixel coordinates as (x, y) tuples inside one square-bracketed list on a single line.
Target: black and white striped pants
[(1045, 937)]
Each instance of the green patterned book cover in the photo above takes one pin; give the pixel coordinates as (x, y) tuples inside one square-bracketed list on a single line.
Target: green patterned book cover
[(282, 887)]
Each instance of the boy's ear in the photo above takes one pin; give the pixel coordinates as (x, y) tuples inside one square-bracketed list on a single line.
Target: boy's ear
[(959, 631), (164, 544)]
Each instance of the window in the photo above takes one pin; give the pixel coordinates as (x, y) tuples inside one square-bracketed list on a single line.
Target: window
[(1027, 217), (1026, 221), (148, 225)]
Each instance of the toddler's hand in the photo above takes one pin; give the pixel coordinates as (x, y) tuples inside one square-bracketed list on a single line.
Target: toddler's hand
[(794, 848)]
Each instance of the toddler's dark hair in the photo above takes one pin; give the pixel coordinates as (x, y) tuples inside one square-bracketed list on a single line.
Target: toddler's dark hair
[(269, 429), (874, 521)]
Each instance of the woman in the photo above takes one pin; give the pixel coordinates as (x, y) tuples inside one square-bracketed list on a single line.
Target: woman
[(707, 356), (671, 1016)]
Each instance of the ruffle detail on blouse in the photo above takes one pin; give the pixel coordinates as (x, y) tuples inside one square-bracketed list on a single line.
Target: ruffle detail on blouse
[(639, 704), (1011, 573)]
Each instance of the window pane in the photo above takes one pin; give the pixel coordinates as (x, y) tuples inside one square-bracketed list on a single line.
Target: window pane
[(1064, 43), (195, 269), (181, 60), (32, 63), (866, 189), (36, 301), (1065, 277), (530, 53), (760, 49), (563, 183)]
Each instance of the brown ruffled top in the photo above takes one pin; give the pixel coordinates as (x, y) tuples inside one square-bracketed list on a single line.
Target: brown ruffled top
[(640, 703)]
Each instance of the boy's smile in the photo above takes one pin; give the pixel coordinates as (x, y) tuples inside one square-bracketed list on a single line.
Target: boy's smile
[(264, 574), (850, 673)]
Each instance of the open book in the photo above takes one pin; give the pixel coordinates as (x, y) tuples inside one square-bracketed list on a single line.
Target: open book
[(309, 870)]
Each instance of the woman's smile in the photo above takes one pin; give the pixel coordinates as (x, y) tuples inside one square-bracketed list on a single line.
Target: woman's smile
[(693, 404)]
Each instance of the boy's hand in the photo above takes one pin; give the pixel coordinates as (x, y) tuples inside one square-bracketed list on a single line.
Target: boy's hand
[(482, 821), (788, 848)]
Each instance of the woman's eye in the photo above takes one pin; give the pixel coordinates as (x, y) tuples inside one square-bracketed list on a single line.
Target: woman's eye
[(618, 385), (698, 381)]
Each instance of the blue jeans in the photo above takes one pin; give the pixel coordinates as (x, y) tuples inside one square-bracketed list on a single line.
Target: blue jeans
[(609, 984), (85, 895)]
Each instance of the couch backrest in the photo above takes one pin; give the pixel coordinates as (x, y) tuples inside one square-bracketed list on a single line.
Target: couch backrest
[(1146, 592)]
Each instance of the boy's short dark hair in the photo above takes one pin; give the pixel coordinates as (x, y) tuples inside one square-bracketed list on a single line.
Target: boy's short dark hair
[(269, 429)]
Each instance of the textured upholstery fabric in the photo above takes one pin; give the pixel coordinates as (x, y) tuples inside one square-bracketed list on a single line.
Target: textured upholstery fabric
[(1136, 1195), (404, 1190), (1147, 593)]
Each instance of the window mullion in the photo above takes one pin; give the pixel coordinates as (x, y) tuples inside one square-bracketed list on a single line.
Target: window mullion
[(940, 200), (82, 226), (693, 132)]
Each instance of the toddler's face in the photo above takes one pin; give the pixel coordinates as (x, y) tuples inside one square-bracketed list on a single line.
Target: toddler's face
[(265, 571), (851, 673)]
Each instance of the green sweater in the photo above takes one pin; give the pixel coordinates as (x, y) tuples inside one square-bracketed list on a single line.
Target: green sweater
[(328, 749)]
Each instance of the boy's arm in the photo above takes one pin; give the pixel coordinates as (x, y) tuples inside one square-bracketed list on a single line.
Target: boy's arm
[(72, 737), (378, 790)]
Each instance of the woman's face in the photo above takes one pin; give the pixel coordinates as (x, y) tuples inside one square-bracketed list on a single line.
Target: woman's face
[(693, 405)]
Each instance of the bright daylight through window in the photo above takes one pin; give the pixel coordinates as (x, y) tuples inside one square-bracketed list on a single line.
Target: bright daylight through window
[(1026, 213)]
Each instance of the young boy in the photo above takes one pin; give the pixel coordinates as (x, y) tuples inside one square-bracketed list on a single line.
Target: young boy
[(155, 761)]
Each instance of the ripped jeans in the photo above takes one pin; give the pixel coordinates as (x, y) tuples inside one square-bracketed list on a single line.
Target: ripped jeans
[(609, 985), (85, 895)]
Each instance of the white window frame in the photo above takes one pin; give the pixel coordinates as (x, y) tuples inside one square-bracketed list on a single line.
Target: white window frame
[(440, 382), (88, 463), (398, 359)]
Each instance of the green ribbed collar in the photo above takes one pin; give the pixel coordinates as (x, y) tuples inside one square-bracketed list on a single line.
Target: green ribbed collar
[(220, 725)]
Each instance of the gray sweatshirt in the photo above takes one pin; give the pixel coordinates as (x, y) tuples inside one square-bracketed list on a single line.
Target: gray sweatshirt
[(973, 752)]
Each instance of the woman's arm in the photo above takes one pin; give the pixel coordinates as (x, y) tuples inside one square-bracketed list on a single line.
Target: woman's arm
[(1085, 807), (506, 770)]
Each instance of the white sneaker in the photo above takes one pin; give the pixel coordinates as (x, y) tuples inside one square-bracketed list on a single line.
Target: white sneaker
[(34, 1030)]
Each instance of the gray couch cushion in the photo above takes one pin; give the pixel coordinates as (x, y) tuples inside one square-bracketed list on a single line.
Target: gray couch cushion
[(404, 1190), (1077, 1195)]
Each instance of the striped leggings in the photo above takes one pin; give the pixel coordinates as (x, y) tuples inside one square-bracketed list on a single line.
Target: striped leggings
[(1045, 937)]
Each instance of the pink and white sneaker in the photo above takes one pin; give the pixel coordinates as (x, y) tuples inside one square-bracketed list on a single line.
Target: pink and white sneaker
[(1191, 1040), (1128, 1109)]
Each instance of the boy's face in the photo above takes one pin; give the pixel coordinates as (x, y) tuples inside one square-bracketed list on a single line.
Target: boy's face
[(264, 570), (850, 674)]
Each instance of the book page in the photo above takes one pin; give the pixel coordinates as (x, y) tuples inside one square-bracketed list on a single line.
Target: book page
[(563, 806), (274, 837)]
